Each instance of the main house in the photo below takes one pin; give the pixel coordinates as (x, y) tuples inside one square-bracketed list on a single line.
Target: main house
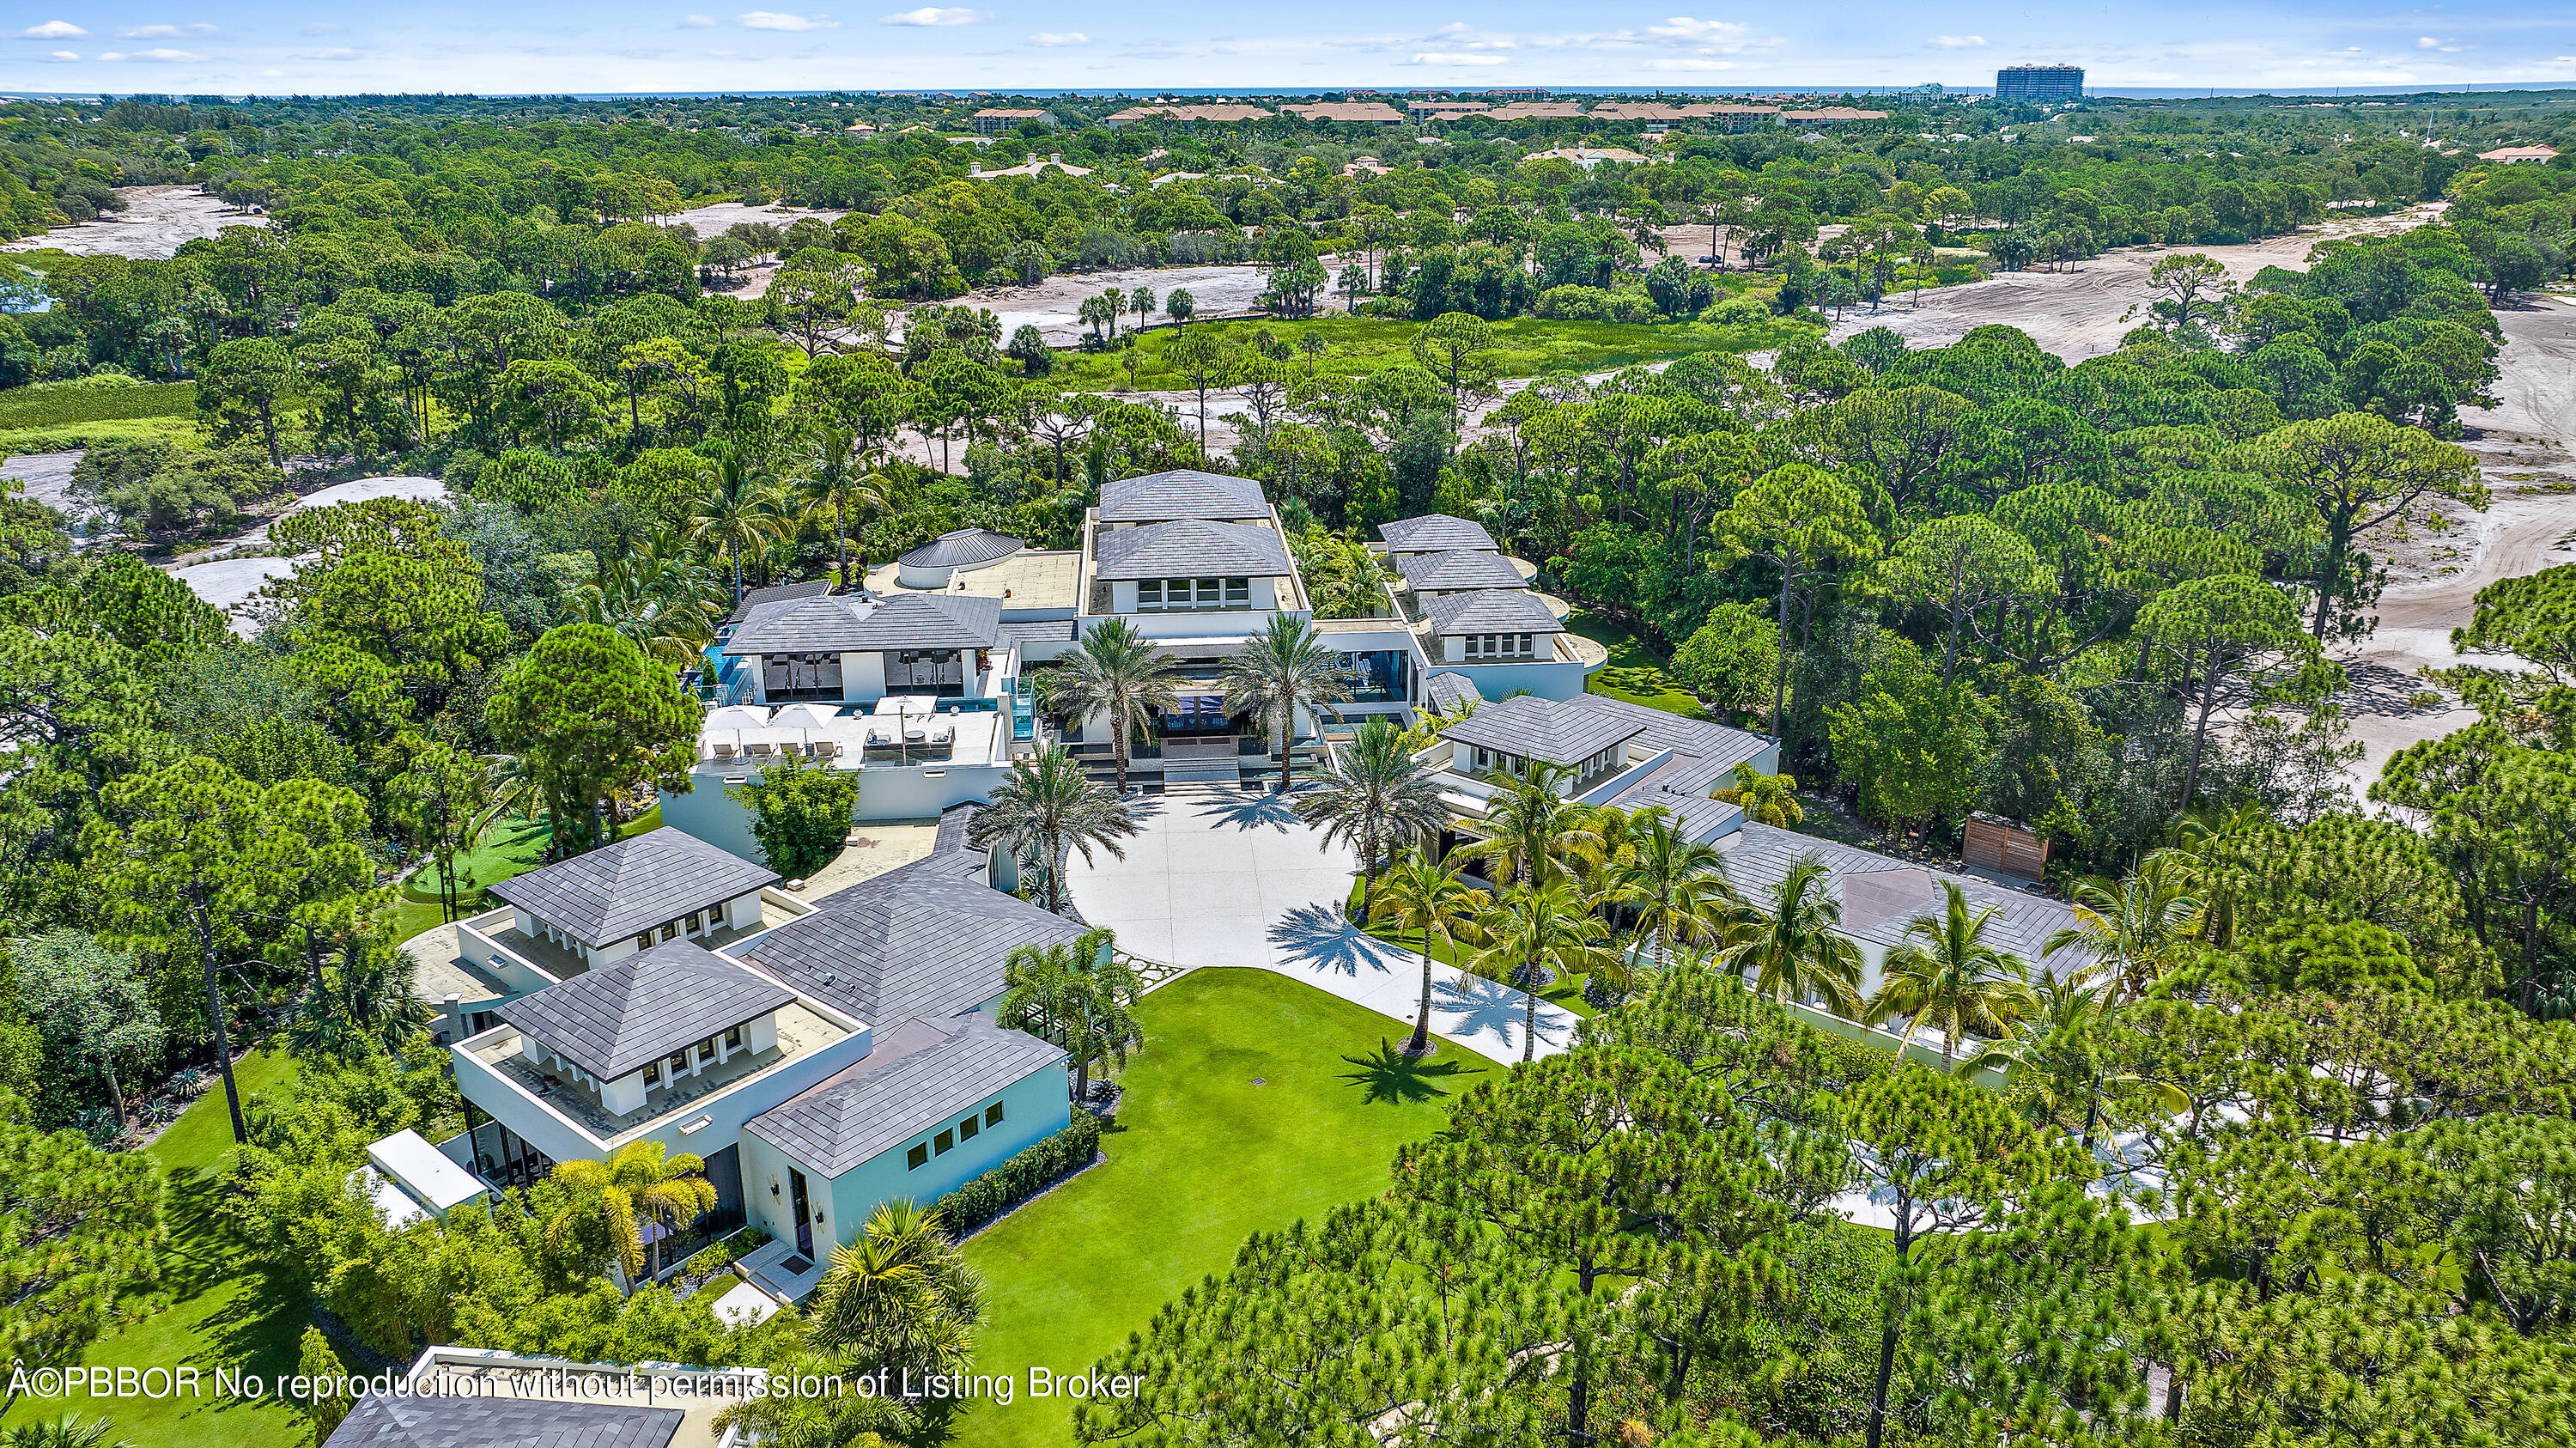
[(914, 680), (821, 1058)]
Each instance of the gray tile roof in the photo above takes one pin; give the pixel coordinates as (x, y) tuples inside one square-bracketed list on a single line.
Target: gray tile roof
[(1181, 493), (1457, 569), (1489, 610), (458, 1421), (1705, 752), (1190, 549), (630, 1013), (1879, 893), (965, 546), (1447, 693), (617, 890), (1558, 732), (956, 826), (1039, 630), (915, 1077), (760, 598), (897, 621), (919, 940), (1434, 533)]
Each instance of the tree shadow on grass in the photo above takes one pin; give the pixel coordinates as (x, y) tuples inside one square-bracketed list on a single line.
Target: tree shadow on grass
[(1393, 1078)]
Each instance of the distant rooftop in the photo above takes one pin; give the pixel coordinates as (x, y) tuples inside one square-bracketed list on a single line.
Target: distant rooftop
[(1489, 610), (1189, 548), (963, 548), (1435, 533), (1457, 570), (1181, 493), (846, 623)]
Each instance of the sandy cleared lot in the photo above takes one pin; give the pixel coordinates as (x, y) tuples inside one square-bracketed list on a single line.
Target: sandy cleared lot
[(711, 221), (156, 219), (1051, 306), (2078, 314), (2527, 455)]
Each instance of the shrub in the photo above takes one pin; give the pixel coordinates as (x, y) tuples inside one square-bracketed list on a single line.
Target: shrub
[(1592, 304), (1738, 312), (1022, 1177)]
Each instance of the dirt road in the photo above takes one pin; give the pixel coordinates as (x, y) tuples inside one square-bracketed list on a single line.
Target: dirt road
[(156, 219)]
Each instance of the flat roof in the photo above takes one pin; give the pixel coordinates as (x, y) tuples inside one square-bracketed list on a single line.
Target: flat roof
[(1030, 581), (424, 1171)]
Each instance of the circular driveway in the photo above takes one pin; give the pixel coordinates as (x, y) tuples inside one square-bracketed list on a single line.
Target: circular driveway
[(1231, 877)]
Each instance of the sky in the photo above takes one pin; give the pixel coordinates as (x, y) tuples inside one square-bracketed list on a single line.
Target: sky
[(233, 47)]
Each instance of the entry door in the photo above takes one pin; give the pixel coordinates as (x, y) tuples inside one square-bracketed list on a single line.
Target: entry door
[(804, 1214)]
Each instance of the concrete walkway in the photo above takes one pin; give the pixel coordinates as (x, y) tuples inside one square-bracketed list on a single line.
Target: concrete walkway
[(1229, 877)]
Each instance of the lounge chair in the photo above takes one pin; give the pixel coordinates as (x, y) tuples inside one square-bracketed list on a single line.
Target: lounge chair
[(724, 750), (757, 749)]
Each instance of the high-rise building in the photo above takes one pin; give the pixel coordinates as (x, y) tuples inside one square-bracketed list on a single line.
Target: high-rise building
[(2040, 83)]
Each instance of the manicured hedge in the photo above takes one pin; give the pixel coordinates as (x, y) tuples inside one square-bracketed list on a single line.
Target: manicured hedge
[(1022, 1177)]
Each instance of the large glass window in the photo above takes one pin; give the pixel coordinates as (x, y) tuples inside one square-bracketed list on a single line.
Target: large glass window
[(801, 676), (925, 669), (1163, 594)]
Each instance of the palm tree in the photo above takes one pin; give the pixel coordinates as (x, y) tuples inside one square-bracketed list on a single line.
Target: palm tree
[(2132, 929), (836, 485), (2056, 1061), (1677, 887), (739, 513), (1536, 929), (1117, 672), (1766, 799), (636, 1185), (1793, 950), (1376, 798), (1532, 830), (900, 1295), (662, 596), (1079, 996), (1046, 810), (1423, 894), (66, 1431), (1948, 975), (1286, 667)]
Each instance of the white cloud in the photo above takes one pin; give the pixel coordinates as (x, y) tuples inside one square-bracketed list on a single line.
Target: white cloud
[(63, 55), (162, 56), (52, 30), (772, 20), (321, 27), (1957, 42), (936, 15), (1451, 57), (1683, 27), (696, 22), (1066, 37), (339, 53), (165, 32), (1689, 64)]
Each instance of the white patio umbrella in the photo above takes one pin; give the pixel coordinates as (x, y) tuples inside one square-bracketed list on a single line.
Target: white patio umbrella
[(821, 717), (738, 716)]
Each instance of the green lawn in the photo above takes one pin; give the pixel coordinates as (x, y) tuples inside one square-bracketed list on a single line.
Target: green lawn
[(218, 1315), (1527, 347), (35, 407), (1257, 1101), (1635, 672), (512, 847)]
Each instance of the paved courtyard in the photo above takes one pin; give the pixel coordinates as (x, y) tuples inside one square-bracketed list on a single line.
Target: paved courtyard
[(1228, 877)]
